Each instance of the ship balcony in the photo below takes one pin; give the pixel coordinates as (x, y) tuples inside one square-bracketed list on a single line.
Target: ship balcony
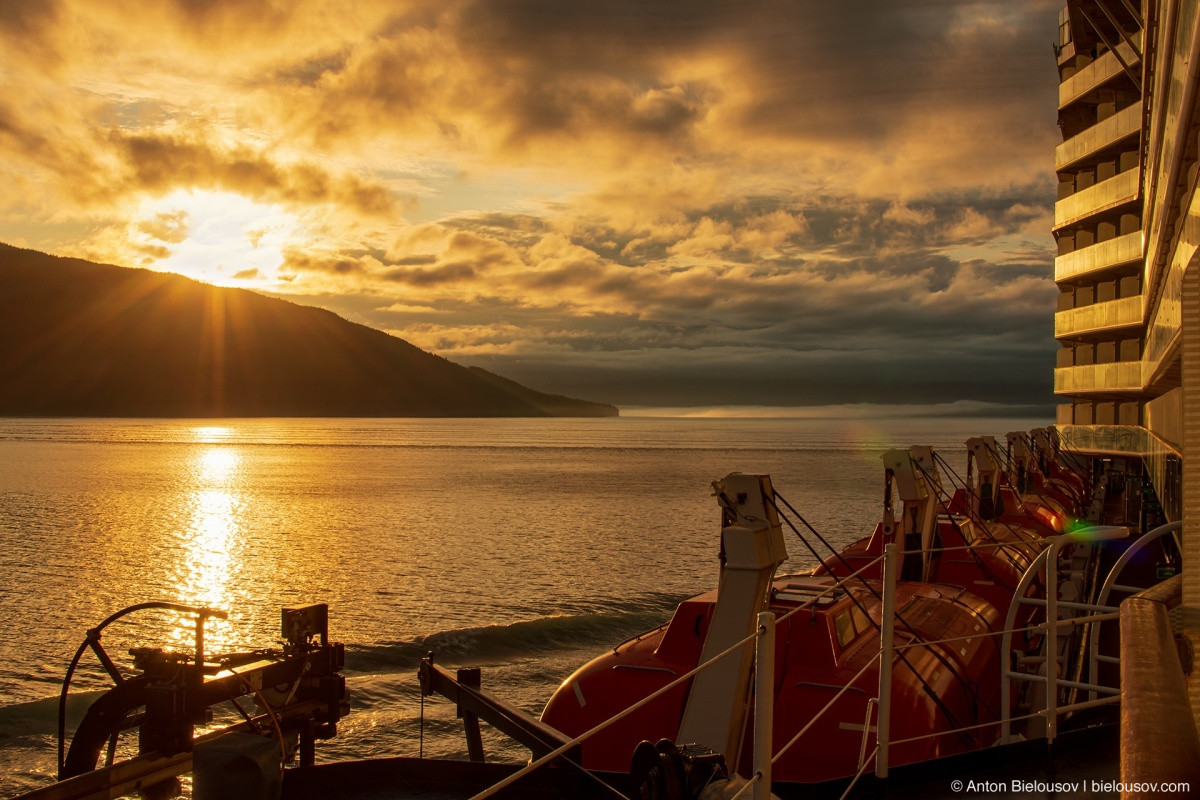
[(1123, 124), (1098, 257), (1116, 191), (1123, 377), (1097, 73), (1109, 315)]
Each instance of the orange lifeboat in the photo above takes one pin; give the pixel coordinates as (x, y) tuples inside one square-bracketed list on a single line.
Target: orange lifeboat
[(986, 557), (819, 650), (826, 654)]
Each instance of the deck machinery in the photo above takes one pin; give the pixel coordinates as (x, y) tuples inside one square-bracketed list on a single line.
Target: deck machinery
[(298, 696)]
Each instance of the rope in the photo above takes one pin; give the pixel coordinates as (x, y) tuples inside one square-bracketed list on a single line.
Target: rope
[(970, 546), (975, 517), (580, 739), (1008, 481), (903, 657)]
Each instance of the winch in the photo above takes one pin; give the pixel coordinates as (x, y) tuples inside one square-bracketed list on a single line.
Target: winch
[(298, 691)]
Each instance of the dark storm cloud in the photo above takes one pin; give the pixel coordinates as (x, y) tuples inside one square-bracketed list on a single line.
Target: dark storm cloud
[(805, 59), (817, 69), (852, 68), (435, 78)]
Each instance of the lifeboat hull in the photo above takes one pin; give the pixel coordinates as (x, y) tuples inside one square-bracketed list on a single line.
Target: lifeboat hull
[(819, 650)]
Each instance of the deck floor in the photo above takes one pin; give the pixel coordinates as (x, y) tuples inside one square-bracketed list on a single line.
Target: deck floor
[(1081, 764)]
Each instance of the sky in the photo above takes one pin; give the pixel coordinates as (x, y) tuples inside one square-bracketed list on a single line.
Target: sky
[(711, 203)]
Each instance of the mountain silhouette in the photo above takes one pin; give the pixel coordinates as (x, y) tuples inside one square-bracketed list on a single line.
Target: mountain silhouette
[(84, 339)]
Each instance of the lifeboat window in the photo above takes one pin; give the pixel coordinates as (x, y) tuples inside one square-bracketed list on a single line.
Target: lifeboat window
[(861, 623), (845, 628)]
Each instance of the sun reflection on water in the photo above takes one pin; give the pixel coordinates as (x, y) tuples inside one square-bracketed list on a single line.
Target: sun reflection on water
[(217, 464), (210, 541), (210, 434)]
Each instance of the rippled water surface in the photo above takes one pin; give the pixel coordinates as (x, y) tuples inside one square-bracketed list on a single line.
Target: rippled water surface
[(523, 546)]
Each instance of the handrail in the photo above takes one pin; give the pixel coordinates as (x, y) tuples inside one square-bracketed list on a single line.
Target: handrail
[(759, 631), (861, 771), (837, 584), (1111, 700), (1046, 560), (1158, 735), (752, 783), (581, 738), (1110, 583), (759, 781), (826, 707)]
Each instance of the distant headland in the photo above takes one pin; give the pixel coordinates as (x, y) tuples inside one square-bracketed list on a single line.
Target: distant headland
[(84, 339)]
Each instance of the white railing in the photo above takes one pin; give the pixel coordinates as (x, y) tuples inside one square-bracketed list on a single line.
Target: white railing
[(1046, 565), (1110, 585), (764, 705), (764, 757), (764, 668)]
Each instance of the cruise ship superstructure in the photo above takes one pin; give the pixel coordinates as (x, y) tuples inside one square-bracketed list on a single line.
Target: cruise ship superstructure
[(1127, 226)]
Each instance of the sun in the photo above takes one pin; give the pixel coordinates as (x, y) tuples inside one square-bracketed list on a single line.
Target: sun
[(222, 238)]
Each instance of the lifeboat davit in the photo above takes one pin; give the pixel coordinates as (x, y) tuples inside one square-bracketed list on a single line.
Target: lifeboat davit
[(1046, 482), (827, 642), (987, 557), (991, 499)]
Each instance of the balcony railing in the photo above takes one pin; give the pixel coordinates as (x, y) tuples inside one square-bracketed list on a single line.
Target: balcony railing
[(1099, 257), (1110, 314), (1123, 376), (1122, 440), (1096, 73), (1126, 122), (1103, 196)]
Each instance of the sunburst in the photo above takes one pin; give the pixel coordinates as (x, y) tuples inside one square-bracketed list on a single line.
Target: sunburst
[(221, 238)]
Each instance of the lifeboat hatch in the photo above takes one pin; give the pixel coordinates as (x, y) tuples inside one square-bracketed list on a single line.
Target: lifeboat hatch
[(814, 592)]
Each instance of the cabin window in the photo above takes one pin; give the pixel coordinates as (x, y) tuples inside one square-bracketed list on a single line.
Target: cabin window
[(861, 623), (845, 628)]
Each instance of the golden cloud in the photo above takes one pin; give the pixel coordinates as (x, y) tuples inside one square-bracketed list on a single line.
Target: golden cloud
[(535, 176)]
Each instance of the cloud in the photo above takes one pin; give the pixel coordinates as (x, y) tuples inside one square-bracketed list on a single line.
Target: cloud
[(844, 281), (171, 227), (335, 264), (455, 272), (158, 163), (706, 192), (29, 18)]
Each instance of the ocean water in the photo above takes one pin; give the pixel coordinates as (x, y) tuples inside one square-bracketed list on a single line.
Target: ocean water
[(524, 547)]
